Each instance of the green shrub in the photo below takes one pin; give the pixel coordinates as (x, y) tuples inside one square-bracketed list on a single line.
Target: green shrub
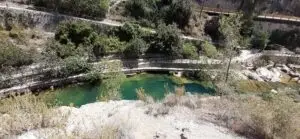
[(190, 51), (83, 8), (170, 11), (260, 40), (179, 12), (135, 48), (60, 50), (128, 31), (20, 114), (139, 8), (290, 39), (11, 55), (209, 50), (104, 45), (167, 41), (74, 32), (256, 118), (74, 65)]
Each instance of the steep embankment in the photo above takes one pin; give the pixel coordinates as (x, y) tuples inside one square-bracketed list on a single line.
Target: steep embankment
[(134, 120)]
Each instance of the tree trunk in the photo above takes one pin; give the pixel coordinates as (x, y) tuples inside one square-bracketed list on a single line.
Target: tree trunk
[(202, 6), (228, 68)]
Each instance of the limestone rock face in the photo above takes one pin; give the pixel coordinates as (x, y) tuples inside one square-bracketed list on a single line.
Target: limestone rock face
[(136, 120), (272, 75)]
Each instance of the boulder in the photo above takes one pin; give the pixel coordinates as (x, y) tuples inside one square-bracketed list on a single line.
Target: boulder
[(274, 91), (264, 73), (253, 76), (296, 79), (285, 69)]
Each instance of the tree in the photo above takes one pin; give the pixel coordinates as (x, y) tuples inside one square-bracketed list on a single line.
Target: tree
[(179, 12), (167, 40), (83, 8), (260, 40), (209, 49), (74, 32), (112, 79), (13, 56), (135, 48), (104, 45), (128, 31), (190, 51), (155, 11), (230, 27)]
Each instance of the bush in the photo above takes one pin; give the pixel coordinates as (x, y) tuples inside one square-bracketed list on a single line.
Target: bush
[(128, 31), (74, 65), (111, 81), (139, 8), (190, 51), (74, 32), (20, 114), (135, 48), (62, 51), (171, 11), (290, 39), (104, 45), (179, 12), (83, 8), (253, 117), (167, 41), (260, 40), (11, 55), (209, 50)]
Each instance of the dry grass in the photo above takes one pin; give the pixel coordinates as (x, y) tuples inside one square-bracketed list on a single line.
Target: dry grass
[(252, 86), (20, 114), (180, 91), (254, 117), (141, 95)]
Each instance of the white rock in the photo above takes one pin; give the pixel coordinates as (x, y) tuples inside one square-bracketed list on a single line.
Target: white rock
[(285, 68), (274, 91), (276, 75), (136, 120), (296, 79), (253, 75), (264, 73)]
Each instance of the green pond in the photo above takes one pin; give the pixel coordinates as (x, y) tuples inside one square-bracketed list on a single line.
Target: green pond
[(155, 85)]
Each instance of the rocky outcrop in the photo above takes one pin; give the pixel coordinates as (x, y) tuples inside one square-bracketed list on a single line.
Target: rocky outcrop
[(134, 120)]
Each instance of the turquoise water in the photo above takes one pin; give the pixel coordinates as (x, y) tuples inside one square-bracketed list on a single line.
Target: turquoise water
[(154, 85)]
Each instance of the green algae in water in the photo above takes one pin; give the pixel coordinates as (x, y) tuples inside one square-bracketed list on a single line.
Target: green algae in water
[(155, 85)]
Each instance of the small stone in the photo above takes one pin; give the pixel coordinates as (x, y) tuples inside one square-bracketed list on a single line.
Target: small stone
[(274, 91), (296, 79)]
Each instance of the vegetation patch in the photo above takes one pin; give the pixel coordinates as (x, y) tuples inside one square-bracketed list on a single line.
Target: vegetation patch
[(19, 114), (83, 8)]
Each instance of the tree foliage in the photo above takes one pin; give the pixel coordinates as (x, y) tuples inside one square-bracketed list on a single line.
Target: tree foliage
[(169, 11), (167, 41), (209, 50), (190, 51), (12, 56), (260, 40), (111, 81), (136, 48), (290, 39), (230, 29), (83, 8), (128, 31)]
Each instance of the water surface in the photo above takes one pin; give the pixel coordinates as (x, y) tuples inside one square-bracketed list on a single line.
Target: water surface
[(155, 85)]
